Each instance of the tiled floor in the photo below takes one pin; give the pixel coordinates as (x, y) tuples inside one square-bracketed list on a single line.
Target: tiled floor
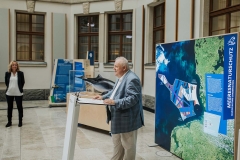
[(42, 137)]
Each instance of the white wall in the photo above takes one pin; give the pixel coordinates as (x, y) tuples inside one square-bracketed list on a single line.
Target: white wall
[(184, 20), (170, 21), (149, 81), (4, 41), (40, 77), (198, 17), (59, 35), (35, 77), (138, 42)]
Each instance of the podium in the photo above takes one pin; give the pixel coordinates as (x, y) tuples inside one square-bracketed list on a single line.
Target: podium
[(92, 115), (71, 126)]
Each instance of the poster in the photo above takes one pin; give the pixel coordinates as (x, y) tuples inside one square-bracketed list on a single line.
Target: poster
[(67, 74), (60, 81), (82, 69), (195, 97), (77, 84)]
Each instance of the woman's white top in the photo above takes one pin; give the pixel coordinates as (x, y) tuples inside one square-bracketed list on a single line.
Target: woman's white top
[(13, 89)]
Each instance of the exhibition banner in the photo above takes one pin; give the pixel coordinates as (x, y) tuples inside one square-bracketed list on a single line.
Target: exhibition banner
[(82, 69), (79, 84), (60, 80), (195, 97), (67, 77)]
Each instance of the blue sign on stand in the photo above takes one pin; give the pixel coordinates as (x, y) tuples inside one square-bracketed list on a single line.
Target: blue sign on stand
[(61, 82), (79, 84)]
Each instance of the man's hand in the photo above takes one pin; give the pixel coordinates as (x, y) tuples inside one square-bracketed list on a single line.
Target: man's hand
[(109, 101), (98, 97)]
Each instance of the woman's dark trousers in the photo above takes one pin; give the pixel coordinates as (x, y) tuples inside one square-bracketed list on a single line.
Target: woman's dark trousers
[(18, 100)]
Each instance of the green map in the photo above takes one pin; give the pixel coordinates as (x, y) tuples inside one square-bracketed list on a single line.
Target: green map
[(189, 141)]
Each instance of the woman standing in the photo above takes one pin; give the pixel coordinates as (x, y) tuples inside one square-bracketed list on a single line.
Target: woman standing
[(14, 80)]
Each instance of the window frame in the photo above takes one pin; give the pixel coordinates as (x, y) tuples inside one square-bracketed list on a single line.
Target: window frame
[(88, 34), (223, 11), (158, 28), (30, 33), (120, 33)]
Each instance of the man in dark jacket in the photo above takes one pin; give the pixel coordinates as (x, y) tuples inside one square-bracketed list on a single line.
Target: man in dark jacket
[(125, 110)]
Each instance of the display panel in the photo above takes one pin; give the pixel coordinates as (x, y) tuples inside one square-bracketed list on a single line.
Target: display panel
[(61, 78), (60, 81), (195, 97)]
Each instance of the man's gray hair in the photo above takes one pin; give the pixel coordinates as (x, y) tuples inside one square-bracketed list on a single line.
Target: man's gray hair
[(123, 61)]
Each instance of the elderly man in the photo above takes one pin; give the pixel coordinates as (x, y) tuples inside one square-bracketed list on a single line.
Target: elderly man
[(124, 110)]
